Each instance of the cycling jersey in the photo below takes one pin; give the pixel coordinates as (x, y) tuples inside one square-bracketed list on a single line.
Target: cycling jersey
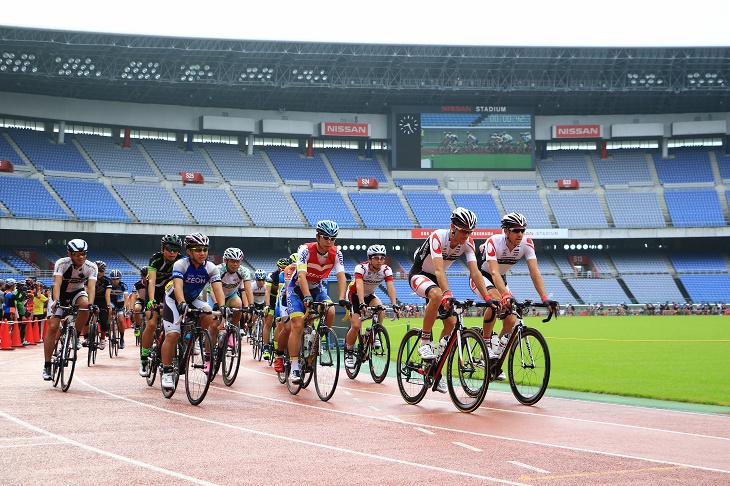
[(273, 282), (259, 293), (194, 279), (317, 267), (101, 285), (495, 249), (74, 278), (117, 295), (438, 244), (233, 282), (140, 288), (370, 278), (162, 268)]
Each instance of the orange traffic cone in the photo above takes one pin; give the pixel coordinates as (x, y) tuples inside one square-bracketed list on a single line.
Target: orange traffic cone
[(37, 332), (5, 344), (30, 332), (15, 338)]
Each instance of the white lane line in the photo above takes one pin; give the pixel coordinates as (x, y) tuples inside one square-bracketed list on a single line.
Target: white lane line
[(103, 452), (527, 466), (480, 434), (346, 392), (373, 408), (467, 446), (425, 431), (305, 442)]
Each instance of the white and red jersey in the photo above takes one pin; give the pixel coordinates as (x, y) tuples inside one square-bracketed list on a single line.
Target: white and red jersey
[(495, 248), (318, 267), (438, 245), (370, 277)]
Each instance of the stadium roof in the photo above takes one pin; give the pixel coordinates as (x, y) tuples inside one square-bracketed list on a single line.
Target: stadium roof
[(361, 78)]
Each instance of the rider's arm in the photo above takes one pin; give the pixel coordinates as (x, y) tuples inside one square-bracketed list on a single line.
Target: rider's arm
[(536, 277), (342, 285), (476, 277), (217, 292), (91, 289), (302, 280), (391, 291), (267, 293), (497, 277), (248, 290), (151, 281), (438, 266), (108, 297), (177, 285), (360, 287)]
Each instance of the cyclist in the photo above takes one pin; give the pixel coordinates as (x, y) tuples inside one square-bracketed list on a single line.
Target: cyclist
[(140, 299), (102, 299), (190, 275), (235, 278), (119, 297), (497, 256), (159, 273), (316, 261), (258, 289), (428, 275), (282, 312), (74, 280), (361, 293), (271, 298)]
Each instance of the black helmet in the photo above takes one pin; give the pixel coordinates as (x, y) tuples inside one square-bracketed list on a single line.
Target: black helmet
[(172, 240)]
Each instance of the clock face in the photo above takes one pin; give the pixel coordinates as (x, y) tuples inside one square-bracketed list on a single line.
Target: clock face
[(408, 124)]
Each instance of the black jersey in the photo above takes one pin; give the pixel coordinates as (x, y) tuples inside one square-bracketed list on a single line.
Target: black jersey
[(101, 285), (162, 268)]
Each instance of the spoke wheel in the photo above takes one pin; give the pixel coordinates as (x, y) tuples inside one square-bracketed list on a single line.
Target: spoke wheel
[(411, 369), (91, 337), (197, 381), (231, 356), (57, 359), (179, 355), (292, 387), (113, 336), (326, 363), (69, 358), (358, 355), (258, 339), (467, 372), (529, 366), (379, 356), (281, 375)]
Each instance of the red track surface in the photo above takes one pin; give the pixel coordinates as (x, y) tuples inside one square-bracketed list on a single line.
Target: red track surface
[(111, 428)]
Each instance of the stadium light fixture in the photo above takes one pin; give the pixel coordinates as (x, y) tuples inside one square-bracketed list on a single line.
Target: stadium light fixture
[(138, 70), (79, 67)]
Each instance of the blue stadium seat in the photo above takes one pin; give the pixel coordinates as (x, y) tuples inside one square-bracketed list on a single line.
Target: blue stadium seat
[(234, 165), (380, 210), (349, 167), (581, 210), (318, 205), (171, 159), (684, 166), (268, 207), (28, 198), (49, 155), (635, 209), (528, 204), (694, 207), (653, 288), (565, 166), (152, 203), (430, 208), (112, 157), (484, 207), (211, 206), (292, 166), (89, 200)]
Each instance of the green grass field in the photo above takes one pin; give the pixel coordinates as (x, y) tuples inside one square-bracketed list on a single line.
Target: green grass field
[(677, 358)]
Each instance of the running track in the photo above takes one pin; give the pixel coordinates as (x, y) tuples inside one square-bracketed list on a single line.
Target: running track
[(110, 428)]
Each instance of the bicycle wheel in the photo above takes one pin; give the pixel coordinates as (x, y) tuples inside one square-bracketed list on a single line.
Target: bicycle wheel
[(231, 355), (358, 354), (411, 369), (292, 387), (176, 363), (153, 362), (379, 356), (258, 340), (467, 372), (197, 380), (57, 358), (92, 337), (69, 358), (529, 366), (326, 363), (113, 330), (281, 376)]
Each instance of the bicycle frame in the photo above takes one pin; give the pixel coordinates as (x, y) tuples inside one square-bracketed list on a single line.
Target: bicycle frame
[(517, 310)]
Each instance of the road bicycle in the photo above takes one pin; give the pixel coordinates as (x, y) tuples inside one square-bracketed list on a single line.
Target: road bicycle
[(527, 356), (464, 363), (63, 359), (139, 328), (93, 338), (319, 353), (257, 339), (154, 359), (113, 333), (190, 357), (227, 350), (372, 346)]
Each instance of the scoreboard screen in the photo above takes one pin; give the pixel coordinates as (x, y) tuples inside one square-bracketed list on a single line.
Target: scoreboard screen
[(465, 137)]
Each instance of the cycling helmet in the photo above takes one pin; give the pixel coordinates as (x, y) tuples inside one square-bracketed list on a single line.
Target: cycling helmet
[(464, 219), (115, 274), (196, 239), (293, 258), (143, 272), (376, 250), (76, 245), (513, 219), (283, 262), (233, 254), (328, 228), (101, 265), (10, 282), (259, 275), (172, 240)]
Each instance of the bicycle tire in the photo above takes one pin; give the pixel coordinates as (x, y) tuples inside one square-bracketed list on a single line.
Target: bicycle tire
[(153, 359), (197, 381), (529, 368), (57, 358), (358, 354), (281, 375), (231, 356), (112, 335), (176, 360), (411, 369), (379, 358), (326, 363), (467, 372), (292, 387), (91, 339), (69, 358)]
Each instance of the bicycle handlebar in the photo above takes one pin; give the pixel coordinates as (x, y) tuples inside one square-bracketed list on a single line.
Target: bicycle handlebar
[(375, 309)]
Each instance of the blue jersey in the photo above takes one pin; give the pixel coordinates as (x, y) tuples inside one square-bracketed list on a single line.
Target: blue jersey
[(117, 294), (194, 279)]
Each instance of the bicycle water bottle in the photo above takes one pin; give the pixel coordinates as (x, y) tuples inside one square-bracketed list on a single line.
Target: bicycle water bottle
[(312, 339), (441, 347), (307, 344)]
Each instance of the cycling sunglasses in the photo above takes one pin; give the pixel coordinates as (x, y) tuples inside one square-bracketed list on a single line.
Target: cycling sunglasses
[(517, 230)]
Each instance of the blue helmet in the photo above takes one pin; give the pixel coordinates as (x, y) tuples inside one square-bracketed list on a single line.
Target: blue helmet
[(327, 227)]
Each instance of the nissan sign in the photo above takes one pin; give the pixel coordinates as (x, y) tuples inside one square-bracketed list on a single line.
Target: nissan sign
[(331, 129), (577, 131)]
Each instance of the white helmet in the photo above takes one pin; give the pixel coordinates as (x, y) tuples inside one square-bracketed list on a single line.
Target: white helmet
[(233, 254), (514, 219), (376, 250), (10, 282), (76, 245), (464, 219)]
